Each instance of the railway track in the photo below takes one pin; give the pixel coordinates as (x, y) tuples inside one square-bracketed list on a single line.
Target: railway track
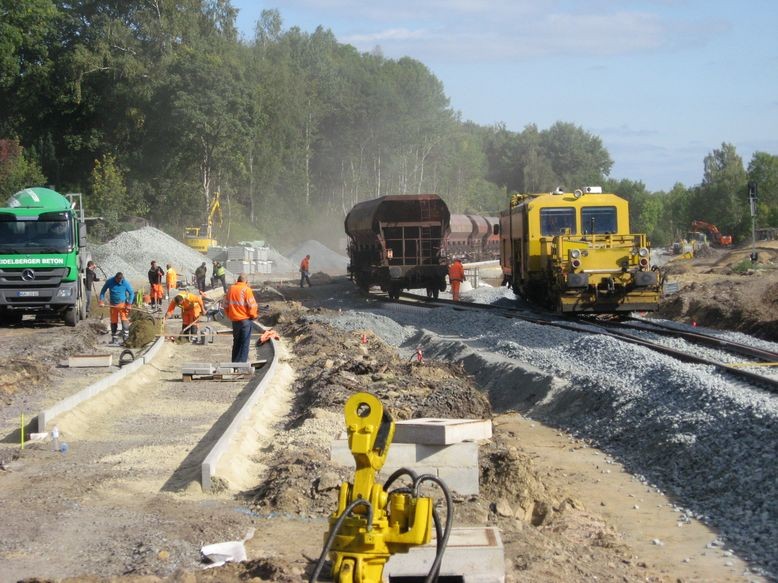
[(628, 331)]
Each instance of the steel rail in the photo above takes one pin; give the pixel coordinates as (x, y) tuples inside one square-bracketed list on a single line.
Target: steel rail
[(768, 383)]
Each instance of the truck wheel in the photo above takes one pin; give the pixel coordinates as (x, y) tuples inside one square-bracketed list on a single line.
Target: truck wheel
[(81, 302), (10, 317), (71, 315)]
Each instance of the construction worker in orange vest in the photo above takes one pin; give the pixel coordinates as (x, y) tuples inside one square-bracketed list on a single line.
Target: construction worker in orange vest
[(241, 308), (171, 280), (191, 308), (305, 266), (456, 275)]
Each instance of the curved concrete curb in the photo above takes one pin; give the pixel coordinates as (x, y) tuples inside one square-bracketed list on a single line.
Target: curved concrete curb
[(208, 467), (44, 417)]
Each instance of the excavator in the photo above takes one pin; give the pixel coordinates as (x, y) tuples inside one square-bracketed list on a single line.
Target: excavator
[(201, 238), (713, 232)]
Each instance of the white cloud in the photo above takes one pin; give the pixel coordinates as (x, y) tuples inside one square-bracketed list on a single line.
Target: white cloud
[(465, 32), (392, 34)]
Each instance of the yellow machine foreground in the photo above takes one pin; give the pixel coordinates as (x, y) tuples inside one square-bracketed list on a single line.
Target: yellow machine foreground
[(371, 522)]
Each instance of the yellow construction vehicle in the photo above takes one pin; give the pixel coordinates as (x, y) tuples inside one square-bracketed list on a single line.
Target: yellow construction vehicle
[(372, 522), (201, 238)]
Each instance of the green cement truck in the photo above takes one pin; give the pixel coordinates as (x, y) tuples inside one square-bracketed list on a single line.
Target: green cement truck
[(43, 256)]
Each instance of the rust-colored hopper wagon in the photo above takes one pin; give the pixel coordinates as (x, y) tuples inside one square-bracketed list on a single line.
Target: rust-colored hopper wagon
[(398, 242)]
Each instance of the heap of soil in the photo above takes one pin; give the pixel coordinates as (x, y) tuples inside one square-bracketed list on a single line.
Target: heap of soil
[(33, 356), (715, 291), (331, 365)]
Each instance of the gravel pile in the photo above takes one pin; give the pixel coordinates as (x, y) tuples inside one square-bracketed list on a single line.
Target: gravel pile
[(132, 253), (281, 265), (707, 439), (322, 257)]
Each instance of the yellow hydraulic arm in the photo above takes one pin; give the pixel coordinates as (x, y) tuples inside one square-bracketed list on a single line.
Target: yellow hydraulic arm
[(371, 524)]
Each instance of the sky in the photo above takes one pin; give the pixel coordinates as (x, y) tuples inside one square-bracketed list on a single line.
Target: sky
[(662, 82)]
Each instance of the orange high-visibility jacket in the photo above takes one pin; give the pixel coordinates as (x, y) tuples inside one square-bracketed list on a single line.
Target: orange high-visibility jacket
[(239, 303), (171, 277), (304, 264), (192, 305), (456, 272)]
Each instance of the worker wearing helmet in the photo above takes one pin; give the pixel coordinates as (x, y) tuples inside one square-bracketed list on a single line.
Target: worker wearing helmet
[(456, 275), (240, 307), (120, 297), (191, 308)]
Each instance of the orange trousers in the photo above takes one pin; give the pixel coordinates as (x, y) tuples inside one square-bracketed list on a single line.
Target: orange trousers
[(156, 291), (455, 289), (119, 311)]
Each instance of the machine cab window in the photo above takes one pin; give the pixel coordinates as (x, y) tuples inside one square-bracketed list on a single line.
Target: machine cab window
[(599, 220), (557, 221)]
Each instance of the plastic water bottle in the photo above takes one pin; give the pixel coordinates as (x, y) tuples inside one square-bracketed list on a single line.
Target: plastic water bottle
[(55, 438)]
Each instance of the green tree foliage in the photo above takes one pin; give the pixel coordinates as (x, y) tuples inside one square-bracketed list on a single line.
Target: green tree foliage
[(291, 128), (721, 196), (537, 161), (107, 199), (17, 169), (763, 170)]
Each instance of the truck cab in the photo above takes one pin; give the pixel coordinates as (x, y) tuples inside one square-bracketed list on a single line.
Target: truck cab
[(42, 256)]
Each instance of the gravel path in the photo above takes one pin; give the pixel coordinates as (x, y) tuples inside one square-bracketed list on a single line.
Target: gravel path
[(710, 441)]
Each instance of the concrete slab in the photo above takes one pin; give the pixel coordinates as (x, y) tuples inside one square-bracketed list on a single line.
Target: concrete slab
[(456, 464), (475, 554), (441, 431), (409, 454), (90, 360), (198, 368)]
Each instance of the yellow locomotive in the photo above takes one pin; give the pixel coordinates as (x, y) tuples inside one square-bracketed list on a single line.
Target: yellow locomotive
[(574, 252)]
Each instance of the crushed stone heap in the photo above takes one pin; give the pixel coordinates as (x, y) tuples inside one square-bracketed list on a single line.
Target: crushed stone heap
[(132, 253), (322, 257)]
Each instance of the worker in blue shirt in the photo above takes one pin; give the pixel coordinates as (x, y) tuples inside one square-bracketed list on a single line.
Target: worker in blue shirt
[(120, 298)]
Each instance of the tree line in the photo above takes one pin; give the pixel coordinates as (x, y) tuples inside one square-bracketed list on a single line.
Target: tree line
[(150, 107)]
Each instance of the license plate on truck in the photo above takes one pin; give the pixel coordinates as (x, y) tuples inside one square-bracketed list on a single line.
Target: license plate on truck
[(27, 294)]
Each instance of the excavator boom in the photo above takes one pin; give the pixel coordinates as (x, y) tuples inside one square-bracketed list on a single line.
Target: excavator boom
[(201, 238), (715, 235)]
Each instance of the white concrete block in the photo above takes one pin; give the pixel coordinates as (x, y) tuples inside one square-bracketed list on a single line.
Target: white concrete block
[(90, 360), (474, 553), (199, 368), (410, 454), (441, 431), (464, 480), (456, 464)]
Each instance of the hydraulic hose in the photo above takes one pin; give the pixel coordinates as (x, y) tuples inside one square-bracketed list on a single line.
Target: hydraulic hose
[(334, 532), (442, 541)]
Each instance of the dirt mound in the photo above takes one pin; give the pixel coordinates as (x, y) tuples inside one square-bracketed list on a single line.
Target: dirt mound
[(509, 478), (144, 329), (21, 373), (747, 303)]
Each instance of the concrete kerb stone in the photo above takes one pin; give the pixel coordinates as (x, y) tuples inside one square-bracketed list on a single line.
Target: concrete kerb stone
[(71, 402), (209, 466)]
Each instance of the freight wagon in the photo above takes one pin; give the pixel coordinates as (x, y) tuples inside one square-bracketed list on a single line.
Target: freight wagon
[(574, 252), (399, 242), (473, 238)]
